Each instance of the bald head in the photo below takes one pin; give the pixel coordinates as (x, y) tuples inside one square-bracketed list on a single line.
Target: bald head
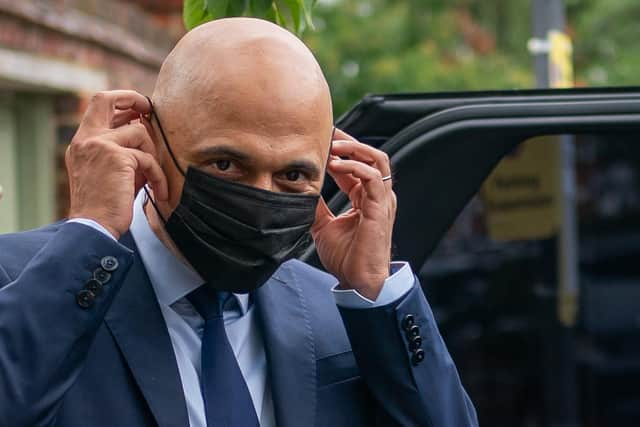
[(241, 71)]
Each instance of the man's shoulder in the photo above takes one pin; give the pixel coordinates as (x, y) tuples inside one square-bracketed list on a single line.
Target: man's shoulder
[(17, 249)]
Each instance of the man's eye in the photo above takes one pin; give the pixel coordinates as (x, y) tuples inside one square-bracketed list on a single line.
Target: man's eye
[(222, 165), (293, 175)]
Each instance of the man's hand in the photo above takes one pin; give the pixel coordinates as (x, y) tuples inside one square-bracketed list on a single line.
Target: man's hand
[(110, 159), (356, 246)]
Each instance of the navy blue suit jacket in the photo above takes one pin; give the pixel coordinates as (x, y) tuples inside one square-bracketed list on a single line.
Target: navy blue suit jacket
[(112, 364)]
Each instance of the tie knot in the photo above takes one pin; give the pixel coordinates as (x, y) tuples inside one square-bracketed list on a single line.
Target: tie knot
[(207, 301)]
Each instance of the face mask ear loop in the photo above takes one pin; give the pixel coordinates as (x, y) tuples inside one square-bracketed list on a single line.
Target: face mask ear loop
[(153, 203), (164, 137)]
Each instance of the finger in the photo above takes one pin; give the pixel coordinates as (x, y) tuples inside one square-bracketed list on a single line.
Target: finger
[(339, 134), (323, 216), (104, 104), (135, 135), (147, 124), (149, 167), (121, 118), (345, 182), (355, 195), (370, 177), (355, 150)]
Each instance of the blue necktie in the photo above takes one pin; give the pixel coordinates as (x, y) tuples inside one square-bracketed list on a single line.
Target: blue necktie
[(226, 397)]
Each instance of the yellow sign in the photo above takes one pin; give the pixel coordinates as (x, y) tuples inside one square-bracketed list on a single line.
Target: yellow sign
[(560, 60), (521, 194)]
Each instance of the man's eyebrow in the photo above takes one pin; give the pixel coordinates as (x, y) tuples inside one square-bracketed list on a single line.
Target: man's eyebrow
[(223, 150)]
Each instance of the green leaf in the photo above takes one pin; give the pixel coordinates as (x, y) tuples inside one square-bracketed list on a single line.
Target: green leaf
[(194, 13), (218, 8), (291, 9), (260, 8), (307, 6), (292, 14), (272, 14), (238, 7), (276, 16)]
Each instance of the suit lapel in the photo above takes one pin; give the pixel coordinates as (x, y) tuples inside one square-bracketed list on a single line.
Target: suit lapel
[(290, 348), (137, 324)]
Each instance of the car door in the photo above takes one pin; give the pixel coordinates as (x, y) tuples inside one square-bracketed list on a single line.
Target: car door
[(442, 147)]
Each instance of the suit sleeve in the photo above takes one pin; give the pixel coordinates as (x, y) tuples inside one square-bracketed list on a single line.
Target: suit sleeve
[(406, 365), (49, 316)]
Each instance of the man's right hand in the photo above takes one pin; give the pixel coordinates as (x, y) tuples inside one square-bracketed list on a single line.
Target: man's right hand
[(110, 159)]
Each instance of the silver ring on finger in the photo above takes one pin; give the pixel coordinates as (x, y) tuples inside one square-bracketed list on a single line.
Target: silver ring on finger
[(386, 178)]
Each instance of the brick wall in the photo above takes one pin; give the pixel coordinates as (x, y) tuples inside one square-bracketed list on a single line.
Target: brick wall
[(125, 39)]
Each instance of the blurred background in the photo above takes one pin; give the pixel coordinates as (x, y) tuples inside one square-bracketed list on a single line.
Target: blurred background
[(493, 298)]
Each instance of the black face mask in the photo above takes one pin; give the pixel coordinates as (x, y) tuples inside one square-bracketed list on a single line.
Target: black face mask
[(236, 236)]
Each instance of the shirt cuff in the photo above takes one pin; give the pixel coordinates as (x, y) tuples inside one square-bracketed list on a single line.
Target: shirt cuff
[(394, 288), (91, 223)]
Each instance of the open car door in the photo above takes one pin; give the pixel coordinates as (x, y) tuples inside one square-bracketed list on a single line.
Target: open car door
[(443, 146), (520, 367)]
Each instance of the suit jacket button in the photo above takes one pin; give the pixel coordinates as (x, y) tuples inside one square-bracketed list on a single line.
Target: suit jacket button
[(408, 322), (415, 343), (413, 331), (94, 286), (102, 276), (109, 263), (85, 298), (417, 357)]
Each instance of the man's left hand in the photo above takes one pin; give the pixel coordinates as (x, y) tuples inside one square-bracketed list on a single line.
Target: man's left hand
[(356, 245)]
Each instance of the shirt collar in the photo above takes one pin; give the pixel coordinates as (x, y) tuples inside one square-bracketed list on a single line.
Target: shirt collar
[(171, 278)]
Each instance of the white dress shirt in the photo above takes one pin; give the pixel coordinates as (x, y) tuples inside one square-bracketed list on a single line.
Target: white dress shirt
[(172, 280)]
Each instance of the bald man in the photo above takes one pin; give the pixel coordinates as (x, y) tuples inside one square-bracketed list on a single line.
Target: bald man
[(172, 296)]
